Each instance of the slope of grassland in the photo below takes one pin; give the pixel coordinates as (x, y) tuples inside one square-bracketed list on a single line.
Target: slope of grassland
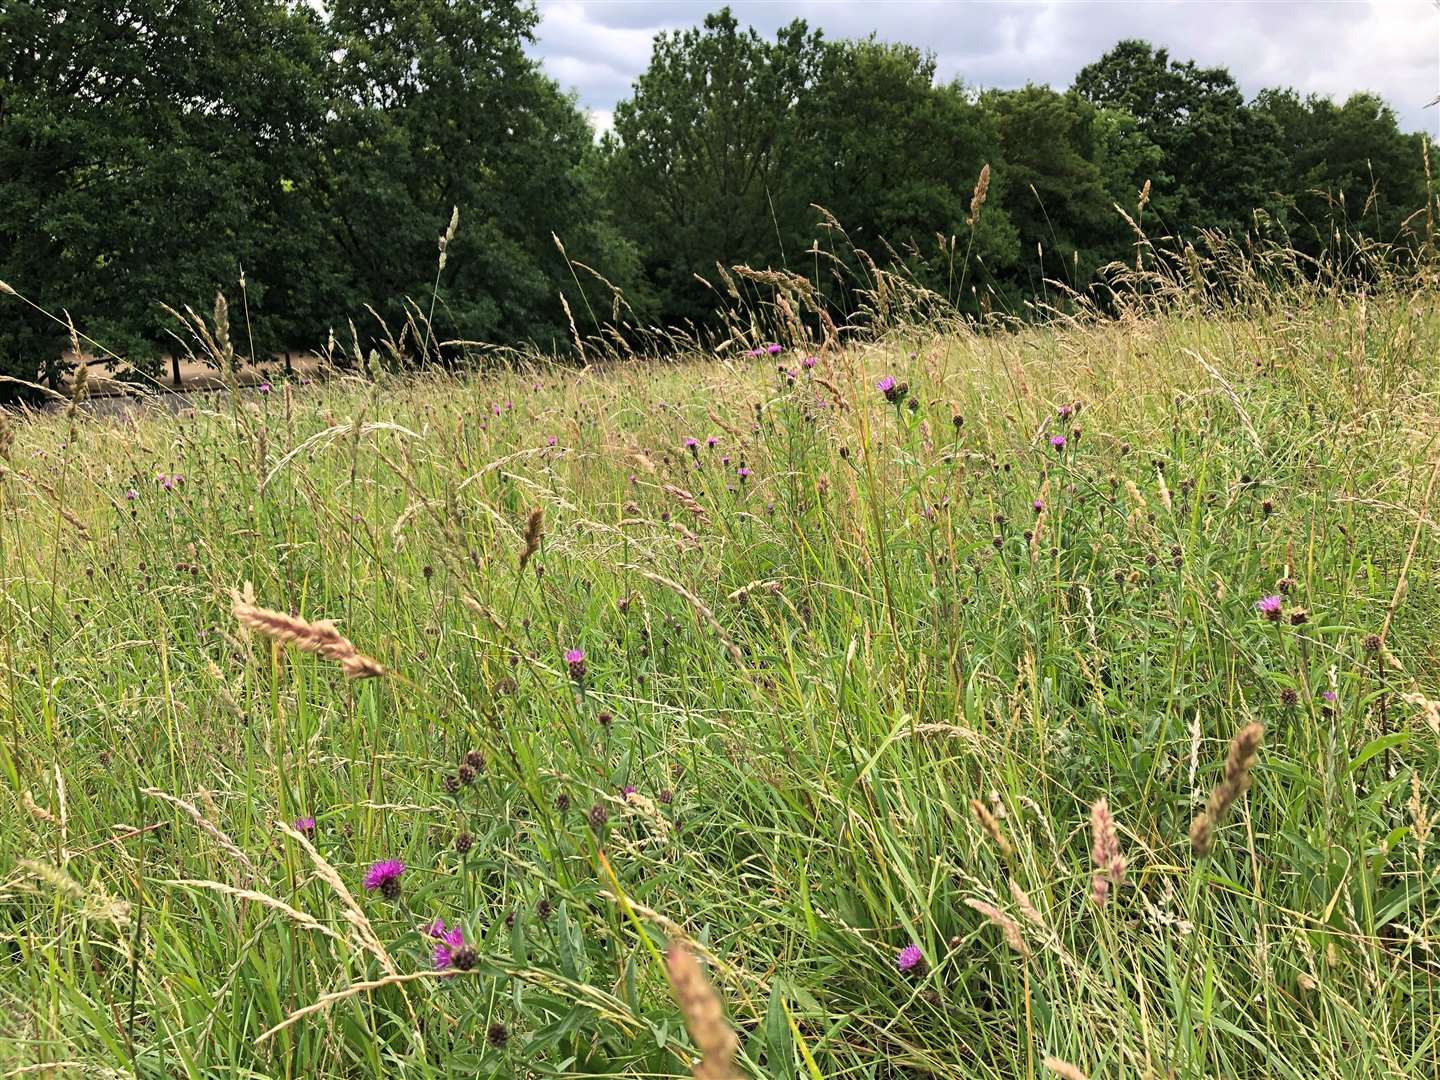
[(855, 673)]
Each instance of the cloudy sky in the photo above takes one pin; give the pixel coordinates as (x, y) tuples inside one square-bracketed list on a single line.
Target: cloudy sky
[(1391, 47)]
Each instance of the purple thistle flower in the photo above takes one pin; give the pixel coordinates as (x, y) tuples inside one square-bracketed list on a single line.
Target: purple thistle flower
[(575, 660), (1058, 442), (1328, 695), (385, 876), (753, 352), (551, 441), (628, 790), (773, 349), (886, 385), (305, 825), (743, 473), (448, 942), (712, 442), (167, 483), (1039, 505), (911, 959), (1066, 411), (132, 495), (809, 361), (265, 388), (1270, 606)]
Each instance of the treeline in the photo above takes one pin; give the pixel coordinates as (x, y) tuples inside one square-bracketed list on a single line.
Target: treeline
[(153, 152)]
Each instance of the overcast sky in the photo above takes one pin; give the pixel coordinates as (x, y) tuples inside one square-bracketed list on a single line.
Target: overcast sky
[(1335, 47)]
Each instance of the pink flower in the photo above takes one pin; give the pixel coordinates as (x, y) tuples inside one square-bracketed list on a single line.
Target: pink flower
[(448, 942), (385, 876)]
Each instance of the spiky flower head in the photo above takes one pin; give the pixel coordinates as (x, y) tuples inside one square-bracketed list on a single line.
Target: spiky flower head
[(910, 960), (448, 942), (385, 876)]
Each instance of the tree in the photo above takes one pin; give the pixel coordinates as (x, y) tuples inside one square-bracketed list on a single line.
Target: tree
[(439, 107), (895, 158), (142, 146), (1352, 169), (1221, 154), (704, 150), (1056, 195)]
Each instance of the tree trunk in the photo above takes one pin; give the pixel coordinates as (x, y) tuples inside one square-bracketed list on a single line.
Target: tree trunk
[(175, 371)]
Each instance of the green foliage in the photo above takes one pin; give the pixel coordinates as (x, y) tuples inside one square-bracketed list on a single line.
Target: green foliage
[(894, 158), (1351, 169), (1222, 156), (142, 149), (704, 153)]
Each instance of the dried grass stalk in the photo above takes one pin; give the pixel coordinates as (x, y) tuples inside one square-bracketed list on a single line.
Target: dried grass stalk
[(1060, 1068), (992, 828), (321, 638), (703, 1013), (206, 825), (1008, 926), (700, 609), (534, 530), (1105, 851), (1244, 749)]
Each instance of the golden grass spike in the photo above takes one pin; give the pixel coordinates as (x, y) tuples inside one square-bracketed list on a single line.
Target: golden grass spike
[(1008, 926), (992, 828), (320, 637), (534, 530), (704, 1015), (977, 200), (1244, 749)]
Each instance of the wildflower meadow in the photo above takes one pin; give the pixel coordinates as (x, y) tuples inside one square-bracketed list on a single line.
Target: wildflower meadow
[(956, 698)]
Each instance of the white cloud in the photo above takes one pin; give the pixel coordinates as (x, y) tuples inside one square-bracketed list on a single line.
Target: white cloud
[(1390, 47)]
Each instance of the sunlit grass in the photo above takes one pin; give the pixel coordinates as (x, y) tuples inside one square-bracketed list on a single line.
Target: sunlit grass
[(807, 647)]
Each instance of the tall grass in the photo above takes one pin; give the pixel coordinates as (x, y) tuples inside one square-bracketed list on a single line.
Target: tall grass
[(893, 714)]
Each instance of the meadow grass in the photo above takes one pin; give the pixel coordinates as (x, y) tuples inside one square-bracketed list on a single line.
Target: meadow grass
[(856, 673)]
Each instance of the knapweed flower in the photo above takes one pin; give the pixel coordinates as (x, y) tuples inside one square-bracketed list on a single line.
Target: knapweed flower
[(628, 790), (575, 661), (1270, 606), (551, 441), (1058, 442), (712, 442), (754, 352), (1038, 505), (743, 473), (265, 388), (132, 495), (809, 361), (305, 825), (911, 960), (448, 942), (773, 349), (385, 876), (1066, 411)]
